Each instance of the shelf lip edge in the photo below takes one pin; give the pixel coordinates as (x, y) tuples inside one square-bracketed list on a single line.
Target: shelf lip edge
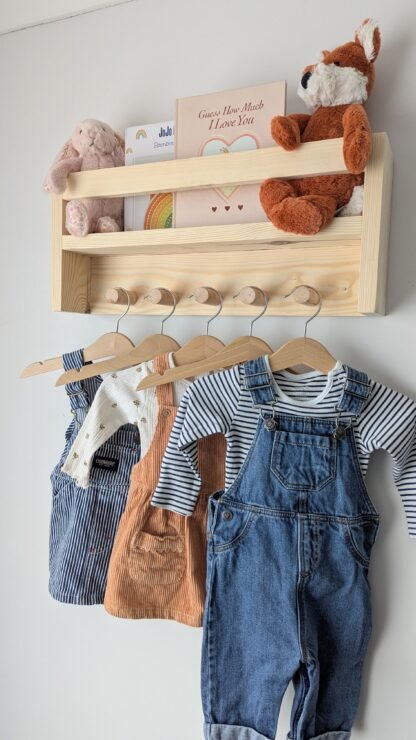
[(237, 168), (232, 236)]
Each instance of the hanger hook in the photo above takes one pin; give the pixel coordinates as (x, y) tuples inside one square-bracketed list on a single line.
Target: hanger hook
[(126, 292), (262, 312), (217, 313), (174, 303), (318, 310)]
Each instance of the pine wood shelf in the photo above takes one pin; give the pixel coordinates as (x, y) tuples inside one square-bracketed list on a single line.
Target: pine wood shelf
[(346, 262)]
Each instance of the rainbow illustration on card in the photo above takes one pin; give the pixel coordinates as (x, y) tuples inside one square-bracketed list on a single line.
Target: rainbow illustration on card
[(160, 211), (152, 142)]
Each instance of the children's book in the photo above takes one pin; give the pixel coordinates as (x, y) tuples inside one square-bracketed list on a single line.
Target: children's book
[(149, 143), (225, 122)]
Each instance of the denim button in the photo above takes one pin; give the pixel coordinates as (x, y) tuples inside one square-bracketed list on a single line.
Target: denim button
[(227, 515), (339, 433), (270, 424)]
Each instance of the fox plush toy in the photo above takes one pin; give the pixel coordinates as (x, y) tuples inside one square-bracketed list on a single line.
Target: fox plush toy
[(335, 89)]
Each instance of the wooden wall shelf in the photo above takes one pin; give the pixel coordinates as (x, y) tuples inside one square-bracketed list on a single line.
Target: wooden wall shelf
[(346, 262)]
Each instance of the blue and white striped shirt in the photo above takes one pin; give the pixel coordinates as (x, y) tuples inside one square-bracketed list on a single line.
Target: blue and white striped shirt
[(220, 403)]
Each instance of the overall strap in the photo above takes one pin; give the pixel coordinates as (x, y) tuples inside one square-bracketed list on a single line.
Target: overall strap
[(164, 393), (356, 391), (77, 393), (258, 380)]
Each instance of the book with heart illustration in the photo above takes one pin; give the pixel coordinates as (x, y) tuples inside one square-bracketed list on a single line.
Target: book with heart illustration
[(224, 122)]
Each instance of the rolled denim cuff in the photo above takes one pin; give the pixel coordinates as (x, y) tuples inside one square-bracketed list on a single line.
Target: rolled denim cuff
[(232, 732), (329, 736)]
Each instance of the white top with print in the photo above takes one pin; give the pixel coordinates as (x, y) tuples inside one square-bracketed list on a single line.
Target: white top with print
[(117, 402), (220, 403)]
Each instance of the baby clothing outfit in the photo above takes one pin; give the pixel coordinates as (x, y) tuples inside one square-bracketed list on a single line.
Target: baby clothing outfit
[(84, 520), (158, 564), (289, 540)]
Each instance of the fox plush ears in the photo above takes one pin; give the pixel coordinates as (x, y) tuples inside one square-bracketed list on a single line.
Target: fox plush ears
[(368, 36)]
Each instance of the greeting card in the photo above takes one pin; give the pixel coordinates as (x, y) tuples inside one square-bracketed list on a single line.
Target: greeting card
[(225, 122)]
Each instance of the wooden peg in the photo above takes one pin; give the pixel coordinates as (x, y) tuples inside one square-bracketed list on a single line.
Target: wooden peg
[(306, 296), (119, 295), (207, 296), (251, 296), (160, 296)]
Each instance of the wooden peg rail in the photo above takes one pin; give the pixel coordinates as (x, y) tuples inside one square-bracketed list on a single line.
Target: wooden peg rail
[(346, 262), (249, 295)]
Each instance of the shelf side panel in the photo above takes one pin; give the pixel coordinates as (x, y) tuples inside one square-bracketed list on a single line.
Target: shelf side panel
[(75, 282), (56, 252), (70, 271), (376, 227)]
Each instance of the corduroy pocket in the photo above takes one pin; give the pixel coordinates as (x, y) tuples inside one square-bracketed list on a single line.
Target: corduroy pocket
[(157, 559)]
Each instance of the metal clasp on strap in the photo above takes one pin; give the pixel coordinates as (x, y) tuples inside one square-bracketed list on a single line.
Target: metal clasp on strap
[(270, 421), (340, 431)]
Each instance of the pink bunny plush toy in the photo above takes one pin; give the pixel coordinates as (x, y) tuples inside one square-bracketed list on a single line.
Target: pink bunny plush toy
[(93, 145)]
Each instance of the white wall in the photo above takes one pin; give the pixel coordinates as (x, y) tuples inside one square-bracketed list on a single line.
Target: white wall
[(74, 673), (22, 13)]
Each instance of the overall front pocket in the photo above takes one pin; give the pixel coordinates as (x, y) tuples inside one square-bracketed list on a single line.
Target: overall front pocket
[(157, 559), (303, 462)]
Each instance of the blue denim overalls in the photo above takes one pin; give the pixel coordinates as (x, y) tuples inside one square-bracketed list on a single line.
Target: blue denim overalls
[(84, 521), (287, 590)]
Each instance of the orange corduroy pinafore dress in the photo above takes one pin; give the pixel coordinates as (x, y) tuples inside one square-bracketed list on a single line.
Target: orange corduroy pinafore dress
[(158, 563)]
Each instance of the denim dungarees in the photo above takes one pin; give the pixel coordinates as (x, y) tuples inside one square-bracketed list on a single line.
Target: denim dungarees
[(287, 590), (84, 520)]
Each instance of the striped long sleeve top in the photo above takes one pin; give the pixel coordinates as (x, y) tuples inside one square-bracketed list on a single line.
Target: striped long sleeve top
[(220, 403)]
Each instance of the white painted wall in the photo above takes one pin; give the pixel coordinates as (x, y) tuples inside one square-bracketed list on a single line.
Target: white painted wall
[(74, 673), (21, 13)]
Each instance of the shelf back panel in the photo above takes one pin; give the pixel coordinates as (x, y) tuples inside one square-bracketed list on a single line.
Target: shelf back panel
[(334, 271)]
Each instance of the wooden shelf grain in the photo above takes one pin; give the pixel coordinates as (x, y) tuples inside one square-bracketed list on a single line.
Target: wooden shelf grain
[(205, 238), (315, 158)]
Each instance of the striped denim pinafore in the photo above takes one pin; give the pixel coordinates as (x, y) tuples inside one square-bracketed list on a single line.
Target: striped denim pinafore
[(84, 521)]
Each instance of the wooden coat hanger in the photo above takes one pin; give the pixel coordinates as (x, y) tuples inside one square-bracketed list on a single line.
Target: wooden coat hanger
[(239, 350), (152, 346), (302, 350), (111, 344), (203, 346)]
